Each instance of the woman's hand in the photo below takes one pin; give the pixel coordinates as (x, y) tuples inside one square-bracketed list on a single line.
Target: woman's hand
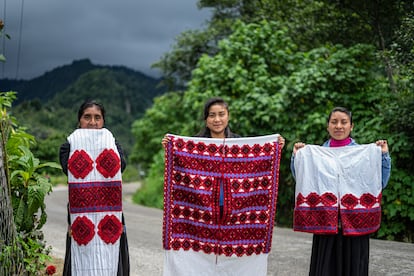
[(298, 146), (165, 141), (281, 141), (383, 144)]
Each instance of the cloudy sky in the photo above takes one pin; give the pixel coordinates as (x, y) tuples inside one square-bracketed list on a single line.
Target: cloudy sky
[(133, 33)]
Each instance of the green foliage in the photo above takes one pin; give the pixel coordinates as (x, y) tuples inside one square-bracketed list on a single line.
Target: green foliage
[(153, 186), (165, 116), (398, 208), (124, 93), (131, 174), (36, 252), (28, 187), (311, 24), (274, 87), (10, 256)]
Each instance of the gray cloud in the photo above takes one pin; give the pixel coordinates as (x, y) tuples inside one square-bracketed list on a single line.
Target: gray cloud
[(132, 33)]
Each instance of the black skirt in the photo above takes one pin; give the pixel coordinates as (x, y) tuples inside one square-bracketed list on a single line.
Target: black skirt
[(339, 255)]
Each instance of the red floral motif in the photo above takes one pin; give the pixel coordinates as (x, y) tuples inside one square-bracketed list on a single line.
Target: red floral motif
[(207, 217), (300, 199), (257, 149), (201, 147), (186, 245), (190, 146), (50, 269), (235, 150), (313, 199), (349, 201), (265, 183), (267, 148), (368, 200), (194, 214), (110, 229), (235, 186), (207, 248), (176, 245), (197, 182), (245, 149), (83, 230), (212, 148), (208, 183), (80, 164), (246, 185), (177, 177), (94, 199), (108, 163), (196, 246), (328, 199), (180, 143)]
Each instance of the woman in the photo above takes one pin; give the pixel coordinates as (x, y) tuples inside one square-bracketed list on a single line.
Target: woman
[(340, 254), (89, 137), (216, 117)]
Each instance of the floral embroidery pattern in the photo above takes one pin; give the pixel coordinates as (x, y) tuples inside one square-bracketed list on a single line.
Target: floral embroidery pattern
[(110, 229), (80, 164), (83, 230), (248, 175)]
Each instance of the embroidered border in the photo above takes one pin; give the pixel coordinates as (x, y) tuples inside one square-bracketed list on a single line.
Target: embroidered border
[(193, 174)]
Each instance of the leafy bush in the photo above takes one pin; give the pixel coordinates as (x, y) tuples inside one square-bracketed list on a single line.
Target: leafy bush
[(273, 87), (28, 188)]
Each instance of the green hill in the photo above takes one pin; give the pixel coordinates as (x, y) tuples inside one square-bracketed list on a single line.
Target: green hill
[(48, 105)]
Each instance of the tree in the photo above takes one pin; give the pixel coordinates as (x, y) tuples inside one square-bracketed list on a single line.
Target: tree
[(273, 86), (311, 24)]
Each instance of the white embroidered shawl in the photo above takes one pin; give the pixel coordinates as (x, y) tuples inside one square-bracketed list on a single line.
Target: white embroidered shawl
[(95, 202), (331, 180), (198, 241)]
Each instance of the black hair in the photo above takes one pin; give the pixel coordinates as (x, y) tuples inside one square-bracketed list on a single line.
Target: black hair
[(213, 101), (88, 104), (205, 131), (340, 109)]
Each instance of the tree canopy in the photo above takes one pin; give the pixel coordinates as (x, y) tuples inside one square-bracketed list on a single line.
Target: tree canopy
[(274, 85)]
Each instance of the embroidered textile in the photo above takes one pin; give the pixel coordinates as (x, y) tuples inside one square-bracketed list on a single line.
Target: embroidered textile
[(95, 202), (333, 181), (195, 168)]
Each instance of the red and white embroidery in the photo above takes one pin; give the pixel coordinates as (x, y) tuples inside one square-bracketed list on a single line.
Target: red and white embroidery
[(248, 173), (95, 201), (333, 183)]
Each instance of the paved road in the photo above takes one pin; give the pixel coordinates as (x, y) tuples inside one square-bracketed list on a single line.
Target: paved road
[(289, 256)]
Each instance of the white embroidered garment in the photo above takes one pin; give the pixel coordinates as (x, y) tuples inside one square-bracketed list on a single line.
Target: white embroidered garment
[(219, 204), (95, 202), (331, 180)]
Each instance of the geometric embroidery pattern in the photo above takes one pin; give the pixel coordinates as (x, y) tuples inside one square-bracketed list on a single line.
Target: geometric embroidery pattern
[(95, 197), (110, 229), (319, 213), (338, 186), (82, 230), (194, 173), (95, 201), (80, 164), (108, 163)]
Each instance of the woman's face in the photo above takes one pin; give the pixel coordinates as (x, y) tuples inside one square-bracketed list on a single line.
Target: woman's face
[(217, 120), (339, 125), (91, 118)]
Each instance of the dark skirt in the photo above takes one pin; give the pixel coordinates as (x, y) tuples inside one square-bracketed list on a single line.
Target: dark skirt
[(123, 264), (339, 255)]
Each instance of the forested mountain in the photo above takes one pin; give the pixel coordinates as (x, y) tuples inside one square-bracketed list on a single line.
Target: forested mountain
[(48, 105)]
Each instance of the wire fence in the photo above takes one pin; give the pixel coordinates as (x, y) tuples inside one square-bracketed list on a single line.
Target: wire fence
[(11, 257)]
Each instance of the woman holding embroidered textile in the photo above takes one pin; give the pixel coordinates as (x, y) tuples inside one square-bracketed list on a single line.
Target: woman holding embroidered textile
[(341, 240), (93, 160), (216, 117)]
